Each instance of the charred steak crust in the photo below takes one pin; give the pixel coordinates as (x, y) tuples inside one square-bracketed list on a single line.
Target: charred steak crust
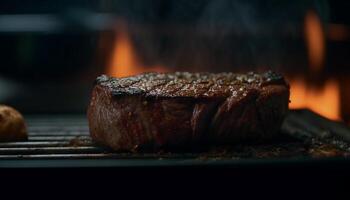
[(185, 109)]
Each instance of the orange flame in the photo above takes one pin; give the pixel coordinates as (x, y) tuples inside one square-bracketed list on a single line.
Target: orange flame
[(315, 41), (324, 101), (124, 61)]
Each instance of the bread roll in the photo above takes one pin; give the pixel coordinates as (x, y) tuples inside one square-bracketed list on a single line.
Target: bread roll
[(12, 125)]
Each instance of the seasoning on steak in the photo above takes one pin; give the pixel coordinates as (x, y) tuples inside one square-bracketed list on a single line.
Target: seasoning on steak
[(186, 109)]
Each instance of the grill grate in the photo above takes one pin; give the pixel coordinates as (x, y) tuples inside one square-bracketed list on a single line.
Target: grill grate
[(52, 137), (67, 138)]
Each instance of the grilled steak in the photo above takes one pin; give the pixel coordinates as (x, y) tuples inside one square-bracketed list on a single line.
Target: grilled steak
[(186, 109)]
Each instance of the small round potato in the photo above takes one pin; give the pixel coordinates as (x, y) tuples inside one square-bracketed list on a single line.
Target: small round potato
[(12, 125)]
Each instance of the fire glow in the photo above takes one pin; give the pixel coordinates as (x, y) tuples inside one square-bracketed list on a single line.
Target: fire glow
[(124, 60), (315, 41), (324, 99)]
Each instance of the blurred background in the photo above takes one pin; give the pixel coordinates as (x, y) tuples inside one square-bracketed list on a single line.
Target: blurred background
[(52, 51)]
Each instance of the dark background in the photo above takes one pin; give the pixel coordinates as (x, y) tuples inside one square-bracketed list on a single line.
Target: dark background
[(51, 51)]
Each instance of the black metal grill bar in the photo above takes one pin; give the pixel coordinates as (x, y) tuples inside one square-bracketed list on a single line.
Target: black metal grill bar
[(100, 156), (49, 150), (68, 129), (59, 133), (37, 144), (58, 138)]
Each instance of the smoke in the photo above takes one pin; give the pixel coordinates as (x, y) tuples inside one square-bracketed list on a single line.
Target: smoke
[(224, 35)]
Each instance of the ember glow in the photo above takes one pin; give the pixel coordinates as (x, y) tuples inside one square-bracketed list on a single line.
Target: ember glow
[(338, 32), (315, 41), (124, 61), (323, 100)]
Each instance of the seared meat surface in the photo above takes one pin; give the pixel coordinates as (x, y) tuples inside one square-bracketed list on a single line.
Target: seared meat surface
[(175, 110)]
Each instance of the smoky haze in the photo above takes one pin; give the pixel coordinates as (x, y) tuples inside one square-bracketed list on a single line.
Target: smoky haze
[(222, 35)]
